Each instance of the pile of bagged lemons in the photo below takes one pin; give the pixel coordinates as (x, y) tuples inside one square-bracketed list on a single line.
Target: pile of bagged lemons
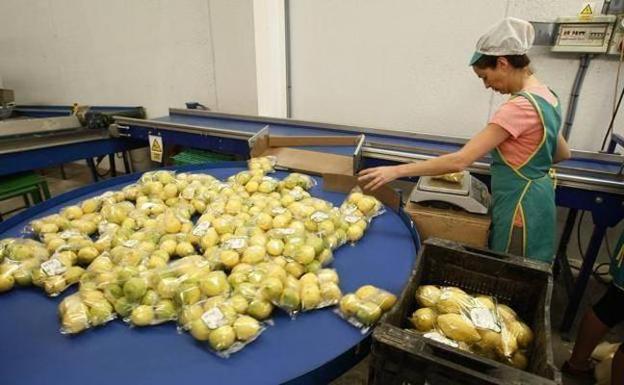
[(477, 324), (217, 257)]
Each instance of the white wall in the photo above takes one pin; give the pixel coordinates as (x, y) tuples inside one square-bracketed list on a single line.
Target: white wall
[(154, 53), (402, 65), (396, 64), (232, 26), (270, 39)]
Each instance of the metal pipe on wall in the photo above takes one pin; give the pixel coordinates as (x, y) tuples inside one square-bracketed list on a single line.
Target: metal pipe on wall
[(574, 95)]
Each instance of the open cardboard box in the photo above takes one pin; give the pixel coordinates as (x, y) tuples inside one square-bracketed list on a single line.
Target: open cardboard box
[(292, 154)]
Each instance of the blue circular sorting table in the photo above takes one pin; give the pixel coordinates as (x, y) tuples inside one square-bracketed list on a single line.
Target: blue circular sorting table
[(314, 348)]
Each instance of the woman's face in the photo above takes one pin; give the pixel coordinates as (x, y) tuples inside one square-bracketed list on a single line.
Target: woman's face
[(496, 78)]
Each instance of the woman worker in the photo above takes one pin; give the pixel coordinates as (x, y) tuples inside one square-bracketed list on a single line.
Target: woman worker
[(524, 140)]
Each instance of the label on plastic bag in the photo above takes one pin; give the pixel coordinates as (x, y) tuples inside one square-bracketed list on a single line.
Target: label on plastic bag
[(348, 208), (188, 193), (440, 338), (282, 231), (105, 227), (70, 233), (201, 228), (483, 318), (214, 318), (296, 193), (147, 206), (352, 218), (235, 243), (278, 210), (131, 243), (53, 267), (319, 216)]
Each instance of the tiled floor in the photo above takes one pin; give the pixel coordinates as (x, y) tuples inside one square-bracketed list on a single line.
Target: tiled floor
[(78, 175)]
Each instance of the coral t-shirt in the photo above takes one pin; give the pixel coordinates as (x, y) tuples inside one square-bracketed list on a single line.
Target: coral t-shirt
[(521, 120)]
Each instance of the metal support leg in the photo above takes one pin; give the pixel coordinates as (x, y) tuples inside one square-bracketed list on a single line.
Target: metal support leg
[(46, 190), (36, 196), (562, 265), (112, 165), (126, 163), (26, 201), (581, 282), (63, 175), (91, 164)]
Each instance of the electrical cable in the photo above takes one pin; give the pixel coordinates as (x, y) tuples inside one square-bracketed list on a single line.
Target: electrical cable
[(578, 235), (613, 116), (595, 272), (616, 107), (575, 94), (617, 80)]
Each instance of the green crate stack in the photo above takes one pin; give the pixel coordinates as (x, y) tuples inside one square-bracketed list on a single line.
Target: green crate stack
[(193, 156)]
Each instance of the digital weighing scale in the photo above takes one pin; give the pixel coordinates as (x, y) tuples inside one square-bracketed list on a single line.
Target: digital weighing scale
[(469, 193)]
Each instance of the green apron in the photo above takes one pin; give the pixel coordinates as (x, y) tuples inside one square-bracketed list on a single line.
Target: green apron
[(617, 264), (529, 189)]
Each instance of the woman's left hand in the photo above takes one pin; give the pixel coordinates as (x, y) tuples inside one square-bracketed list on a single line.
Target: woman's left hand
[(378, 176)]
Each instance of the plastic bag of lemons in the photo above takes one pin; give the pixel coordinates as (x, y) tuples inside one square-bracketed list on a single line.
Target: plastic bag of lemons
[(175, 246), (365, 306), (83, 310), (454, 177), (223, 323), (473, 323)]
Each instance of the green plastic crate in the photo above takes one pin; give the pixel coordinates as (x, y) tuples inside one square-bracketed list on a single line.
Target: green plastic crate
[(193, 156), (23, 184)]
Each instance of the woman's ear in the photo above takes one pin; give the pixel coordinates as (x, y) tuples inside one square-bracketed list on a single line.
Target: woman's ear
[(502, 63)]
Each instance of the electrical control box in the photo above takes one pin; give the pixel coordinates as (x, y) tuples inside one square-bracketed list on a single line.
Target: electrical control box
[(584, 35)]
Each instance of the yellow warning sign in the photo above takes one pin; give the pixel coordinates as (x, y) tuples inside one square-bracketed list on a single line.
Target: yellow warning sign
[(156, 148), (587, 10)]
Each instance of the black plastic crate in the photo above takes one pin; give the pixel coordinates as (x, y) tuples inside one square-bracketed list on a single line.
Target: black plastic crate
[(401, 356)]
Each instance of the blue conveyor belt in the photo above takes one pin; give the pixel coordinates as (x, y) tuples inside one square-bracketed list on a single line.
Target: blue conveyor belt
[(310, 349), (252, 127)]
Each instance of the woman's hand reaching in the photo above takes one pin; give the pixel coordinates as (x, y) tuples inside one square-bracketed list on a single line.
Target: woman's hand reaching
[(378, 176)]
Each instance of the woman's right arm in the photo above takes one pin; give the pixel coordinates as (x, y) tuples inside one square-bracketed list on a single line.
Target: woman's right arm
[(563, 150), (483, 142)]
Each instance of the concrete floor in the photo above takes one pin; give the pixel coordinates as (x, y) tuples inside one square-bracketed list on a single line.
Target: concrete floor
[(78, 175)]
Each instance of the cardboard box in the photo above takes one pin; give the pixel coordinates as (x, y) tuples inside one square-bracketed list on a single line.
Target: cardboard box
[(6, 96), (292, 154), (456, 225)]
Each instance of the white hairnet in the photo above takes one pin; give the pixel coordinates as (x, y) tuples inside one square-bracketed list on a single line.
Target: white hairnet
[(509, 36)]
